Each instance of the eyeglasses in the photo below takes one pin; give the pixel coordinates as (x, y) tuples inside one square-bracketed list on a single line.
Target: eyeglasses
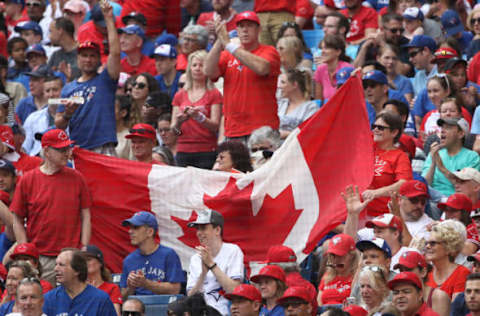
[(432, 243), (375, 269), (397, 30), (33, 4), (380, 127), (140, 131), (189, 39), (128, 313), (414, 53), (139, 85), (473, 21), (416, 200)]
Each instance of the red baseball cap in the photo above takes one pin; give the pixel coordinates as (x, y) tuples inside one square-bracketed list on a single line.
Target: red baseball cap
[(56, 138), (6, 136), (25, 249), (413, 188), (270, 271), (341, 244), (405, 277), (386, 220), (247, 291), (411, 259), (332, 296), (142, 130), (355, 310), (89, 45), (281, 253), (444, 53), (247, 16), (458, 201), (296, 292)]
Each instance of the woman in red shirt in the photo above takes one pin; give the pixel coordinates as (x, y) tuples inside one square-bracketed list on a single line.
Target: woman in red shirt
[(392, 166), (196, 116)]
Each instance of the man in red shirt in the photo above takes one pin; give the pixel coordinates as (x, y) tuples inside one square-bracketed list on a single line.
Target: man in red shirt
[(250, 72), (144, 138), (408, 295), (364, 21), (55, 203), (131, 41), (223, 10), (272, 15)]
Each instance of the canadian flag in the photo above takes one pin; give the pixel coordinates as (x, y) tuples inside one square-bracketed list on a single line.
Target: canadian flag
[(294, 199)]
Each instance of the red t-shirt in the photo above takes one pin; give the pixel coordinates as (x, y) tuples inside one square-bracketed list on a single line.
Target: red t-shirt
[(249, 99), (296, 279), (113, 291), (424, 310), (343, 284), (455, 282), (472, 234), (390, 166), (52, 205), (88, 32), (473, 70), (195, 137), (277, 5), (365, 18), (209, 16), (432, 116), (26, 163), (182, 62), (12, 23), (3, 45), (160, 14), (147, 64)]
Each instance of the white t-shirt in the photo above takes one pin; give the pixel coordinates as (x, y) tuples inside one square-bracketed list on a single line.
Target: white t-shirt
[(230, 260), (418, 229)]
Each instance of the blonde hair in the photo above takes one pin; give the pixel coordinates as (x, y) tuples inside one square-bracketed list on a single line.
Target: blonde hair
[(202, 55), (453, 235), (376, 279), (293, 52), (330, 272), (470, 16)]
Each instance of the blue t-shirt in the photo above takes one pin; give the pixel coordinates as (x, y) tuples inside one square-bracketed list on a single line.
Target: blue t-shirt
[(90, 302), (7, 308), (25, 107), (163, 265), (5, 244), (276, 311), (173, 88), (403, 85), (392, 94), (93, 123)]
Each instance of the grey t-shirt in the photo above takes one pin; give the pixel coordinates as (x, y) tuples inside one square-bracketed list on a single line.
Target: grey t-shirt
[(69, 57), (290, 121)]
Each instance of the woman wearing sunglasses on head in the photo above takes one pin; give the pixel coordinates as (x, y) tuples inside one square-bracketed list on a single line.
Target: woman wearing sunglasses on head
[(392, 166), (373, 288), (196, 116), (143, 85)]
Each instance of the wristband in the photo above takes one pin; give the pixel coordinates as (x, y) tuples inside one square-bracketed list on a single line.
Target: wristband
[(200, 118), (212, 266), (232, 47)]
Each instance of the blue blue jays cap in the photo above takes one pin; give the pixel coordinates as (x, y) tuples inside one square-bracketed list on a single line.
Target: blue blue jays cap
[(451, 22), (166, 38), (343, 74), (29, 26), (132, 29), (142, 218), (376, 76), (37, 49), (165, 50), (378, 243), (422, 41)]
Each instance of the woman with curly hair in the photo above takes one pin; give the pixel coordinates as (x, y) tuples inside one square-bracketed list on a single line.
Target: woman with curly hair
[(445, 242), (233, 156)]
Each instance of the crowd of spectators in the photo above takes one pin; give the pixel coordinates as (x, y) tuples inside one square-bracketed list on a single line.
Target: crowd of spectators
[(220, 85)]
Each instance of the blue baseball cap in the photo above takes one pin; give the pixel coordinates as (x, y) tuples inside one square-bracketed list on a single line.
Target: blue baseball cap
[(132, 29), (27, 26), (37, 49), (166, 38), (142, 218), (343, 74), (165, 50), (422, 41), (41, 71), (97, 16), (451, 22), (377, 76), (413, 13), (379, 243), (7, 165)]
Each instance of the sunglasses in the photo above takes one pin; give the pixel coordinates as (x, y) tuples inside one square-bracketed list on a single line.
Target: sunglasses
[(139, 85), (414, 53), (253, 150), (369, 84), (140, 131), (380, 127), (397, 30), (33, 4), (473, 21), (128, 313)]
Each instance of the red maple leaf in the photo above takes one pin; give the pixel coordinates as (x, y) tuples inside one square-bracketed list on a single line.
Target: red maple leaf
[(189, 237), (253, 233)]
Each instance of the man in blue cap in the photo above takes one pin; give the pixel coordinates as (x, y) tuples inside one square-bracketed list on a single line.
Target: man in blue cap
[(421, 49), (166, 62), (30, 31), (452, 25), (152, 268), (137, 18), (131, 41)]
